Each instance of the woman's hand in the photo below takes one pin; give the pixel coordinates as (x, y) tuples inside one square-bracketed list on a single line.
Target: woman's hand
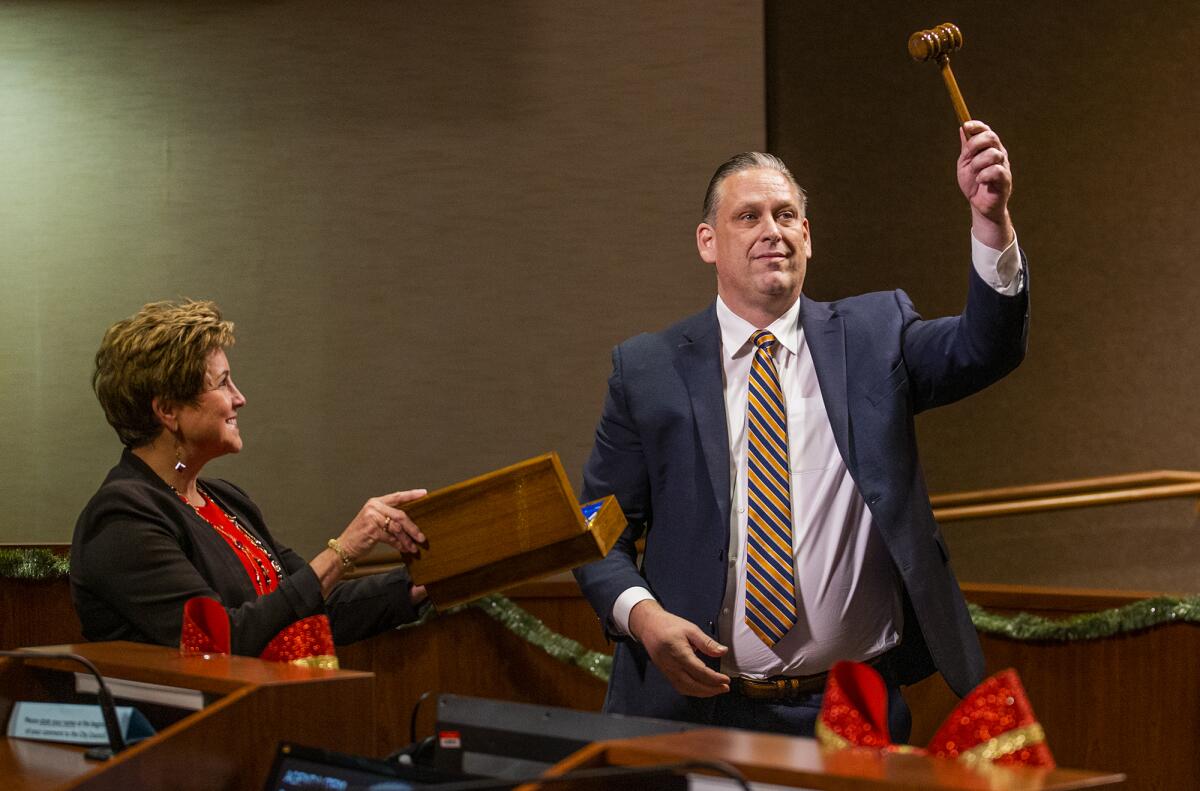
[(381, 521)]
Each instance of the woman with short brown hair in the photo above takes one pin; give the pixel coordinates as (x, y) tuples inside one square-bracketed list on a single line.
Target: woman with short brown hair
[(157, 535)]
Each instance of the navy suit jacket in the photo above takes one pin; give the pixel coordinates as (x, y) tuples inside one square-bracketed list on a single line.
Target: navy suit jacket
[(662, 448)]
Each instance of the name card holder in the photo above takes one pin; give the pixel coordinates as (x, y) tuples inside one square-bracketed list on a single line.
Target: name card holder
[(73, 723)]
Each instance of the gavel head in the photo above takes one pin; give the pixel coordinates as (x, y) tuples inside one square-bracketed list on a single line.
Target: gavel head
[(934, 43)]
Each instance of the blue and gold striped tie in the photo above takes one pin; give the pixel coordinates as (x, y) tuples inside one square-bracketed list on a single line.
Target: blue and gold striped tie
[(770, 582)]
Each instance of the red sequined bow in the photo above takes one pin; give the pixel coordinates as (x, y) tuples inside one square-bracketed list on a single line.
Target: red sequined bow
[(992, 725), (307, 642)]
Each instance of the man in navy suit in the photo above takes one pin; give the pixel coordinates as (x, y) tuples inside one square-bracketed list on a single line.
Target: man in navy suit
[(872, 580)]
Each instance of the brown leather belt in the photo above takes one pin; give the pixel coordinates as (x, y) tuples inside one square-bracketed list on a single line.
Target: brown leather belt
[(778, 687), (789, 687)]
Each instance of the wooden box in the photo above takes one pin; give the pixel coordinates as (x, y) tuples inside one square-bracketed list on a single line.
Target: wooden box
[(501, 529)]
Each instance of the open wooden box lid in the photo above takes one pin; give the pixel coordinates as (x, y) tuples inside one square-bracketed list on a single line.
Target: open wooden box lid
[(510, 526)]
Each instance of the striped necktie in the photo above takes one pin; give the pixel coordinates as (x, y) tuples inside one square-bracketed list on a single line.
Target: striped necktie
[(770, 582)]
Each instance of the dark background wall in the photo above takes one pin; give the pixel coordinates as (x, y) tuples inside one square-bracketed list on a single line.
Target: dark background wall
[(1098, 106)]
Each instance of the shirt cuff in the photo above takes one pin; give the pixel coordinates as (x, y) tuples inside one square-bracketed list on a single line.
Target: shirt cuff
[(625, 604), (1000, 269)]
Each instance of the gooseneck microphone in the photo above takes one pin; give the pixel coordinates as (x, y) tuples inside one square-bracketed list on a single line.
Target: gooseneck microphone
[(108, 709)]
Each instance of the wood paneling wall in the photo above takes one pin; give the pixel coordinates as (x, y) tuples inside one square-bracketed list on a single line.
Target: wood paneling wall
[(1123, 704)]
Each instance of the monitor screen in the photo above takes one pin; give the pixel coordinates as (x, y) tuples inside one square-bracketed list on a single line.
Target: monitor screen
[(299, 768)]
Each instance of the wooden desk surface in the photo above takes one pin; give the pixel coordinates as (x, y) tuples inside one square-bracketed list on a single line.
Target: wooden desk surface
[(230, 743), (37, 766), (215, 673), (777, 759)]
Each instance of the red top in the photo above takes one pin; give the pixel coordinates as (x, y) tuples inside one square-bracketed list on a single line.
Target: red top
[(255, 560)]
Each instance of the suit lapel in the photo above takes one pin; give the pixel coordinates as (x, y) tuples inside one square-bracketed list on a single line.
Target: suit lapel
[(698, 360), (826, 338)]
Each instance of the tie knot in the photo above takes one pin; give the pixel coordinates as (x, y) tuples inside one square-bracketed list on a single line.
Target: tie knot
[(763, 340)]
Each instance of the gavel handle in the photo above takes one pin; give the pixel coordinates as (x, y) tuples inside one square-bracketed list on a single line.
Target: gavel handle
[(960, 107)]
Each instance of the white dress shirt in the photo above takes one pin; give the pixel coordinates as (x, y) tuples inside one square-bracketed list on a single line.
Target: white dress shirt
[(848, 591)]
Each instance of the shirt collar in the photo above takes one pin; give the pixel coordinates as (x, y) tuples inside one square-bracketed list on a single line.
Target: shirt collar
[(736, 331)]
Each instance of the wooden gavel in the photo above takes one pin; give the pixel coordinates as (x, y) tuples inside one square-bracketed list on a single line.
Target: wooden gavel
[(937, 44)]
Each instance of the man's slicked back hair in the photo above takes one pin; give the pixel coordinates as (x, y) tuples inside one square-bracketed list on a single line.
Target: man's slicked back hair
[(747, 160)]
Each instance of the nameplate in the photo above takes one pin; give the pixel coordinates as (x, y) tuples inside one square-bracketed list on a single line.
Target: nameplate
[(141, 692), (73, 723), (591, 509)]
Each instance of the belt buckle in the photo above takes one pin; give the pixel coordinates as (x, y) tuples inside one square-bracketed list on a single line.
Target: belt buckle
[(756, 688), (767, 688), (785, 688)]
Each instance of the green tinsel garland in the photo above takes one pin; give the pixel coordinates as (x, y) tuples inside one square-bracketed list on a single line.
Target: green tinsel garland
[(42, 564), (1089, 626), (32, 564), (529, 628)]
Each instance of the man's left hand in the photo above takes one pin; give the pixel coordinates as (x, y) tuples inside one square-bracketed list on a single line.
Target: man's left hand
[(985, 178)]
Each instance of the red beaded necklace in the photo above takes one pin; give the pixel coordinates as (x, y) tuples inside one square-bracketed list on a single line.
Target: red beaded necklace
[(260, 564)]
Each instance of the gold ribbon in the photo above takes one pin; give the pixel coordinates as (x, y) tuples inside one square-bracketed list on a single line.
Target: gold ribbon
[(1006, 743), (987, 752), (322, 662)]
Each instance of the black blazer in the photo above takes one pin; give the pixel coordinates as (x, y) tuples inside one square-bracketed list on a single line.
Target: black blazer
[(662, 448), (139, 553)]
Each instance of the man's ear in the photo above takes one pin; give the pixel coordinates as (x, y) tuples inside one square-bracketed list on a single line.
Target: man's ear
[(166, 411), (706, 243)]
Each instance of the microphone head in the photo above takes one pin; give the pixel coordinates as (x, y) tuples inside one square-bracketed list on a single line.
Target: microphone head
[(935, 42)]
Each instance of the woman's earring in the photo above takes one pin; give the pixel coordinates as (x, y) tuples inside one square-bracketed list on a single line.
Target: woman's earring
[(179, 465)]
